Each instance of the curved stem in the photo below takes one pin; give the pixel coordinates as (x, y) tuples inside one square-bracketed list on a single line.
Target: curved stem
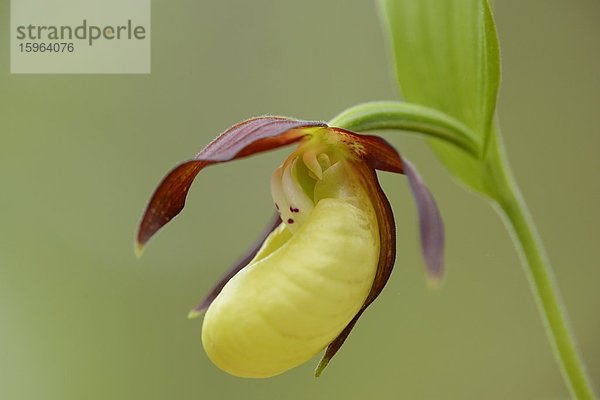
[(502, 189), (408, 117), (544, 288)]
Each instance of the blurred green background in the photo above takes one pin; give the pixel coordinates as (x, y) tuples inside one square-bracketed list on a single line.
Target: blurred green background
[(81, 318)]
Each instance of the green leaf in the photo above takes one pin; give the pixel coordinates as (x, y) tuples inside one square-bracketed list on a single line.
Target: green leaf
[(447, 58), (446, 54)]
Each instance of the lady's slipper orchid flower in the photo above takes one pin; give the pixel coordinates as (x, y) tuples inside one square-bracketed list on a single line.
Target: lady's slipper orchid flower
[(325, 259)]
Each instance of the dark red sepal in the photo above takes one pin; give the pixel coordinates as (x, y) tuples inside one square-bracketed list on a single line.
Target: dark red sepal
[(374, 150), (431, 230), (246, 138), (379, 154)]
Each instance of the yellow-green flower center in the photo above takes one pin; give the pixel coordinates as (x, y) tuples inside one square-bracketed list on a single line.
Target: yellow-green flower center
[(311, 276), (293, 183)]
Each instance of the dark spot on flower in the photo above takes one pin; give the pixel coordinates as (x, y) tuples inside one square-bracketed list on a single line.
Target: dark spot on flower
[(294, 210), (290, 221), (276, 206)]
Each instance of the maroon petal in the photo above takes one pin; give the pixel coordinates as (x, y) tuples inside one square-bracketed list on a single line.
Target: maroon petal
[(430, 222), (431, 226), (243, 262), (379, 154), (387, 255), (244, 139)]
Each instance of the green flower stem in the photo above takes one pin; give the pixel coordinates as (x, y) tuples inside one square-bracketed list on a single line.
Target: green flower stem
[(408, 117), (501, 188), (539, 272)]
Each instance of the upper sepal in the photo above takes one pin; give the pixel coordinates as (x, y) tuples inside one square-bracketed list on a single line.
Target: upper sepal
[(243, 139)]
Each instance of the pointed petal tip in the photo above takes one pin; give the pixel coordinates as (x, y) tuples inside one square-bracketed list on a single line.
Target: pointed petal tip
[(138, 249), (321, 367), (195, 313), (434, 282)]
